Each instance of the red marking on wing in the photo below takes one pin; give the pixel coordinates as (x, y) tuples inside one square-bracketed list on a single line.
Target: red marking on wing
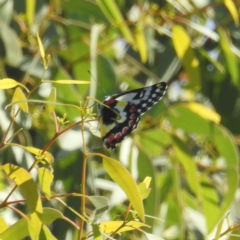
[(111, 138), (131, 123), (125, 130), (118, 136), (133, 116), (133, 109), (110, 101)]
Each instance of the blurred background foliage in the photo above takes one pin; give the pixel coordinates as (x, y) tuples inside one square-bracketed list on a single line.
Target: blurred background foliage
[(188, 143)]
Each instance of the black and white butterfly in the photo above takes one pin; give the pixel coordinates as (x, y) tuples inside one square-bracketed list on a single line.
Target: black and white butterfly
[(123, 113)]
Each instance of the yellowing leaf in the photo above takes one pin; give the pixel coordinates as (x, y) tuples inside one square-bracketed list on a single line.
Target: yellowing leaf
[(29, 189), (182, 45), (204, 112), (8, 83), (42, 52), (45, 178), (124, 179), (181, 40), (19, 96), (233, 10), (112, 226), (37, 151)]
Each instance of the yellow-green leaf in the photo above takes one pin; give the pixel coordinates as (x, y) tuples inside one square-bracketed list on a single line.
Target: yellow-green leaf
[(96, 233), (45, 179), (19, 96), (30, 11), (182, 45), (67, 81), (42, 52), (3, 225), (112, 226), (29, 189), (143, 187), (141, 42), (124, 179), (38, 152), (233, 10), (19, 229), (8, 83), (116, 18), (204, 112)]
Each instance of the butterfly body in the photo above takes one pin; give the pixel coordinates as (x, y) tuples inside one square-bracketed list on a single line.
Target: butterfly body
[(120, 113)]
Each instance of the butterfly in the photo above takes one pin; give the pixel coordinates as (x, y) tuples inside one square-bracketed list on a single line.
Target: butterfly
[(120, 113)]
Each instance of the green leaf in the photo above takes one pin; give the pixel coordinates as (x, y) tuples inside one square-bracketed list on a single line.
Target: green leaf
[(29, 189), (231, 58), (183, 156), (181, 116), (96, 233), (114, 15), (124, 179)]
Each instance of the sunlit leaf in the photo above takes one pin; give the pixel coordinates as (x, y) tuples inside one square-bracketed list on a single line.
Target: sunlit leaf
[(8, 83), (19, 96), (38, 152), (232, 8), (30, 11), (204, 112), (112, 226), (42, 52), (29, 189), (3, 225), (19, 230), (182, 45), (144, 187), (45, 179), (124, 179)]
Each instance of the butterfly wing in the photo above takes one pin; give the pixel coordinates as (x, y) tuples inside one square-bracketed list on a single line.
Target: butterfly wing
[(123, 113)]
